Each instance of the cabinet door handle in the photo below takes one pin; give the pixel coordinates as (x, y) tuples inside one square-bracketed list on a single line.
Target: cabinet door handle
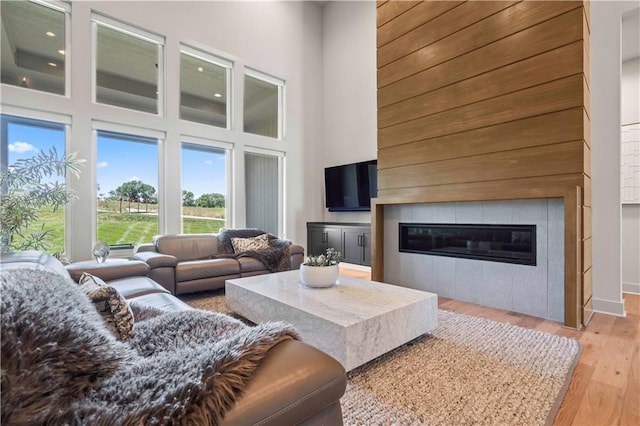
[(359, 240), (362, 239), (325, 237)]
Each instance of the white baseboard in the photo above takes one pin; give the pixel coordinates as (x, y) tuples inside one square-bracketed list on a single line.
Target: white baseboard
[(611, 307), (628, 287)]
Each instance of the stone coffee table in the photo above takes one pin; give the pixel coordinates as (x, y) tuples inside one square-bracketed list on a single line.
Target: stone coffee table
[(354, 321)]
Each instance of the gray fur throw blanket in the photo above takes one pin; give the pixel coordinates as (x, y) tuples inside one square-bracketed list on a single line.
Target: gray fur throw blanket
[(276, 258), (60, 364)]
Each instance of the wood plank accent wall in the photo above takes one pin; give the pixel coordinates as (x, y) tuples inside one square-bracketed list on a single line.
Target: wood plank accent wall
[(485, 101)]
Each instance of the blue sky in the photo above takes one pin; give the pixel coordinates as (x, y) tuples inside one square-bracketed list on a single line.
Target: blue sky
[(120, 160)]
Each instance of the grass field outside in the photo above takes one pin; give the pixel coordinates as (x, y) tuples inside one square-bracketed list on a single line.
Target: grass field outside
[(131, 226)]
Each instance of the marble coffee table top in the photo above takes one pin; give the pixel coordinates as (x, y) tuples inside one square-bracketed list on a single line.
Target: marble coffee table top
[(354, 321)]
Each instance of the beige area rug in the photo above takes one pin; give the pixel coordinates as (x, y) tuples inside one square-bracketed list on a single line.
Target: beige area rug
[(468, 371)]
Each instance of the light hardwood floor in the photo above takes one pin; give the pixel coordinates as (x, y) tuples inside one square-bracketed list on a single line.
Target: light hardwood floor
[(605, 389)]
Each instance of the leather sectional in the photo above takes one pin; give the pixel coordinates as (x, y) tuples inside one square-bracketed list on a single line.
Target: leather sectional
[(294, 384), (186, 263)]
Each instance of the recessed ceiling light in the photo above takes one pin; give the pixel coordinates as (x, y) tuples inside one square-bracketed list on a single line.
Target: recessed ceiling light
[(50, 34), (52, 64), (217, 95), (61, 52), (200, 69)]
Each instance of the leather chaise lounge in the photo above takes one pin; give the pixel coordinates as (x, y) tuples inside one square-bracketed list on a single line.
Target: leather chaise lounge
[(294, 384)]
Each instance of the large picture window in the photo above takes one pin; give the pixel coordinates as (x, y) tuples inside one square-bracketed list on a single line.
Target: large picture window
[(263, 104), (204, 188), (34, 45), (23, 139), (128, 66), (204, 88), (127, 185)]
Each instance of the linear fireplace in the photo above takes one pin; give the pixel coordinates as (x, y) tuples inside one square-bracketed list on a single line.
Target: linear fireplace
[(497, 243)]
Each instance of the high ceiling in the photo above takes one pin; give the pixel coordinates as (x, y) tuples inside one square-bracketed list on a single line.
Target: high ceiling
[(33, 40)]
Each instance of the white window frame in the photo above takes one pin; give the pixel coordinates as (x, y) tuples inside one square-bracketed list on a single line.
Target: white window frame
[(280, 83), (159, 41), (221, 62), (281, 155), (228, 164), (160, 136)]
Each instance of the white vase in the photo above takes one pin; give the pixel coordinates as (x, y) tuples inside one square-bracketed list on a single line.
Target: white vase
[(319, 276)]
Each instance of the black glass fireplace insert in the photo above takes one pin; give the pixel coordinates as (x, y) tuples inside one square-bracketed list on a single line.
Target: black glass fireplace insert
[(496, 243)]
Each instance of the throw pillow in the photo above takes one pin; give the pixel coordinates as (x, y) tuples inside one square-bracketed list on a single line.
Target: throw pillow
[(110, 304), (240, 245)]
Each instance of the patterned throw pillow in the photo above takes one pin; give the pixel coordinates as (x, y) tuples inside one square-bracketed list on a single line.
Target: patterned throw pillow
[(240, 245), (110, 304)]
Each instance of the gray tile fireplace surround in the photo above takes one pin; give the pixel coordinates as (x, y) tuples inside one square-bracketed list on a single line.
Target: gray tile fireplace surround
[(533, 290)]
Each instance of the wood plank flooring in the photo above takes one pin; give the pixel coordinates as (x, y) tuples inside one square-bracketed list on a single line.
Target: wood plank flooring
[(605, 388)]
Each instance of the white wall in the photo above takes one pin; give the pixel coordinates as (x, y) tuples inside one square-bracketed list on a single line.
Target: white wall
[(350, 102), (630, 113), (606, 17), (279, 38)]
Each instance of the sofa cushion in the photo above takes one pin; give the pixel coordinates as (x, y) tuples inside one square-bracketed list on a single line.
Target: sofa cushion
[(250, 264), (111, 306), (163, 301), (136, 286), (32, 259), (240, 245), (188, 247), (112, 269), (197, 269)]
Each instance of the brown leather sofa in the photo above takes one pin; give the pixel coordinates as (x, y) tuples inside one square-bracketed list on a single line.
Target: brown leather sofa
[(294, 384), (183, 263)]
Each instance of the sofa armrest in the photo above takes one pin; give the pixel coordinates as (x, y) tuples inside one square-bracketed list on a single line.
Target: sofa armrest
[(156, 260), (144, 247), (112, 269), (292, 384), (296, 249)]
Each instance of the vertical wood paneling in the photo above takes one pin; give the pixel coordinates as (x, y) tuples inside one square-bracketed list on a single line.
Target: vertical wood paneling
[(487, 100)]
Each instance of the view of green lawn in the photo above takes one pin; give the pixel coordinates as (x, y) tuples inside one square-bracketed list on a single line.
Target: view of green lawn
[(129, 228)]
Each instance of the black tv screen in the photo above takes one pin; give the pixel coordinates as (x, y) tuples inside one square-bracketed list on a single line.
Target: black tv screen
[(350, 187)]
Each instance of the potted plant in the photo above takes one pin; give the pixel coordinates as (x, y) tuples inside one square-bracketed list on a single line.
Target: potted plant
[(321, 270), (25, 191)]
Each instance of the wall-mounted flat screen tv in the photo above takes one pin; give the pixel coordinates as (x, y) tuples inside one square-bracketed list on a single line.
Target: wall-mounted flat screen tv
[(350, 187)]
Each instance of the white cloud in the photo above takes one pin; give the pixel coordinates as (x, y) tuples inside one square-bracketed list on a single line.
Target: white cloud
[(102, 164), (21, 147), (134, 178), (208, 162)]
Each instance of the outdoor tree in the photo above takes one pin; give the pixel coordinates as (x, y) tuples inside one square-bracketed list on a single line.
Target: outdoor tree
[(188, 198), (214, 199), (136, 189)]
